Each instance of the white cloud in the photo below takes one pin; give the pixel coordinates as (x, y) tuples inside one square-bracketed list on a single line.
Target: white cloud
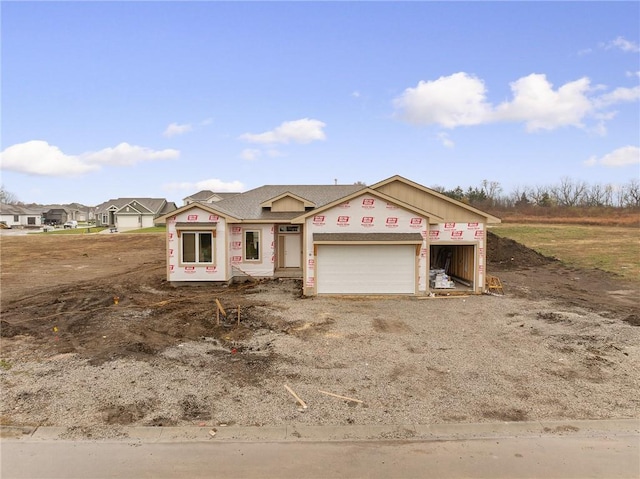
[(127, 155), (623, 44), (355, 94), (175, 129), (212, 184), (625, 156), (298, 131), (250, 154), (456, 100), (540, 107), (618, 95), (38, 157), (460, 100), (446, 141)]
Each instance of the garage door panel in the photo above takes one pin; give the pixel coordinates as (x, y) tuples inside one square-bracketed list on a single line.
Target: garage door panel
[(366, 269), (128, 222)]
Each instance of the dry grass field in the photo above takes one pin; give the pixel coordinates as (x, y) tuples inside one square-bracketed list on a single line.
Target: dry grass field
[(609, 248), (596, 216)]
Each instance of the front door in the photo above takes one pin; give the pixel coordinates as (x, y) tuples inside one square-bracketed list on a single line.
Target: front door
[(290, 251)]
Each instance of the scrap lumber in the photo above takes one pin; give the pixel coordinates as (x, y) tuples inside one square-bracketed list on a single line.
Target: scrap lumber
[(340, 397), (493, 283), (302, 403)]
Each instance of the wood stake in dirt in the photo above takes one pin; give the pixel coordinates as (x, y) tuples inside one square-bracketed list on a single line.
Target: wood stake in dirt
[(220, 308), (341, 397), (238, 315), (302, 403)]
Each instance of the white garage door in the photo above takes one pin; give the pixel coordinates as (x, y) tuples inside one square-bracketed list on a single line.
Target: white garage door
[(128, 221), (372, 269)]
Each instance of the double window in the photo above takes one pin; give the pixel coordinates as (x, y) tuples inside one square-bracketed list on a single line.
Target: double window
[(197, 247)]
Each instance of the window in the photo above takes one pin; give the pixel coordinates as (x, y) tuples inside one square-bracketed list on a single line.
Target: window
[(288, 229), (197, 248), (31, 220), (16, 218), (252, 245)]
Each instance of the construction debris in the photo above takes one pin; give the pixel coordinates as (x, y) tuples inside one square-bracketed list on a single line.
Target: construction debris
[(493, 284), (340, 397), (300, 401)]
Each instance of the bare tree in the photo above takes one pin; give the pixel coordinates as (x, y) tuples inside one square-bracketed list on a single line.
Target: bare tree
[(540, 195), (595, 195), (492, 190), (7, 196), (608, 194), (568, 192), (632, 194)]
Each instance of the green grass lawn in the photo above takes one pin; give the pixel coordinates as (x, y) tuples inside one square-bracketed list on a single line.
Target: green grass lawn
[(154, 229), (80, 230), (613, 249)]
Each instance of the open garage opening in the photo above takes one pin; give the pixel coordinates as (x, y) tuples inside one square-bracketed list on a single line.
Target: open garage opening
[(452, 267)]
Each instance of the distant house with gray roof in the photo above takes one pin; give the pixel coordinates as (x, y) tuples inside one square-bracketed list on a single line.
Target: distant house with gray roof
[(206, 196), (131, 213), (20, 216), (60, 214)]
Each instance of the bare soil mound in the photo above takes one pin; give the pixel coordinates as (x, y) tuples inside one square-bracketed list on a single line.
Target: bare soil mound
[(505, 254)]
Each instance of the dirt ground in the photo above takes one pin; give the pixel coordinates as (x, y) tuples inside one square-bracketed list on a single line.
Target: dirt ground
[(102, 302)]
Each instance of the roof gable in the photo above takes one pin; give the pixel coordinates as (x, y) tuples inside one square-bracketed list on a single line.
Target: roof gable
[(423, 197), (287, 201), (377, 194), (209, 208), (144, 205), (134, 207)]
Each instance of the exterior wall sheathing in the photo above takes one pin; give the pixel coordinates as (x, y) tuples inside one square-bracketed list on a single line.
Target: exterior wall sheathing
[(364, 214)]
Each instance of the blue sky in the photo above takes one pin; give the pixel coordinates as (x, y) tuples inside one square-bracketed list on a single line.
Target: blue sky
[(162, 99)]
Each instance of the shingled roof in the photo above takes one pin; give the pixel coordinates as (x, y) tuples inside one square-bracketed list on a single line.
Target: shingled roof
[(247, 205), (155, 205)]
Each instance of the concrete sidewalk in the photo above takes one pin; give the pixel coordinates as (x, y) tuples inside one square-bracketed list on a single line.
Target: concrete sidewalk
[(302, 433)]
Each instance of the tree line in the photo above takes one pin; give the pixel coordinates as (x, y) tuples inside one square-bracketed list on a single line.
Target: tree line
[(567, 193)]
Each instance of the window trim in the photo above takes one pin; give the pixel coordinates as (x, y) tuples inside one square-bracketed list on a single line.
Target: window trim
[(197, 234), (244, 246)]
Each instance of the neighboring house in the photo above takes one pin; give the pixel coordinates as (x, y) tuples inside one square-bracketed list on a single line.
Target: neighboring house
[(19, 216), (60, 214), (206, 196), (394, 237), (132, 213)]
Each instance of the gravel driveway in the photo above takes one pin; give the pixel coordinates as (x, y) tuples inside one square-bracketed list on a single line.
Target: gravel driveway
[(409, 361)]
